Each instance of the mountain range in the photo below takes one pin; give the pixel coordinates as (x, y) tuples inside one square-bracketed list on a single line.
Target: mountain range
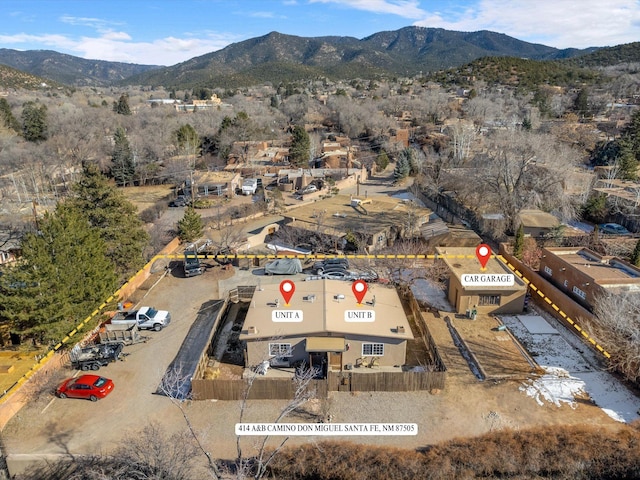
[(277, 57)]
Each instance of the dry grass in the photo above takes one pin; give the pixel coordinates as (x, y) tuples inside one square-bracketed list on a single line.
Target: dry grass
[(21, 362), (581, 452), (148, 196)]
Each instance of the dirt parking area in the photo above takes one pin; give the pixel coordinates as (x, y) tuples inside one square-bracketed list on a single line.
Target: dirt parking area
[(466, 407)]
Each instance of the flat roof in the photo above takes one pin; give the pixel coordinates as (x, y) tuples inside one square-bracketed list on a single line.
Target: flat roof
[(335, 214), (463, 260), (538, 218), (599, 268), (325, 314)]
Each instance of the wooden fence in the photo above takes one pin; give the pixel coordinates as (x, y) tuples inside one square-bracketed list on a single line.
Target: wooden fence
[(261, 389), (346, 381), (432, 348)]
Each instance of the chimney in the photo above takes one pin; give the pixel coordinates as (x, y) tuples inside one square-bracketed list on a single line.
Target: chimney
[(252, 331), (400, 328)]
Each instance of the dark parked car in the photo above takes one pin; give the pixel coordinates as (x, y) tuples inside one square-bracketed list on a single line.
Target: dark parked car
[(91, 387), (180, 201), (613, 229)]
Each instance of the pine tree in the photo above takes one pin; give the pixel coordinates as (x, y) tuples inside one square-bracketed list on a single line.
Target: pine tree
[(627, 159), (190, 228), (403, 165), (635, 256), (121, 107), (6, 116), (518, 245), (115, 217), (63, 274), (300, 150), (34, 122), (123, 167)]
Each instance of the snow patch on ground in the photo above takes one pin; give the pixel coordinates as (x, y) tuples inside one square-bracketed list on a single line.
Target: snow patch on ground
[(556, 387), (408, 196), (431, 293), (570, 371)]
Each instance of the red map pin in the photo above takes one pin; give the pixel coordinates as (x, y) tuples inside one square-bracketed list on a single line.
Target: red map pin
[(359, 289), (483, 252), (287, 288)]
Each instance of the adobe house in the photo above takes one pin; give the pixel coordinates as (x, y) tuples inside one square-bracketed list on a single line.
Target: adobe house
[(324, 327), (484, 299), (380, 220), (583, 274), (537, 223)]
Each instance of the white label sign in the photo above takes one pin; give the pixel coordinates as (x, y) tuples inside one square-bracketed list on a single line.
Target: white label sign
[(487, 280), (286, 315), (359, 315)]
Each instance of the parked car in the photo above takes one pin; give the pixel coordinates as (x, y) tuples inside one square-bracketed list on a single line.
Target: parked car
[(338, 275), (309, 189), (91, 387), (180, 201), (613, 229)]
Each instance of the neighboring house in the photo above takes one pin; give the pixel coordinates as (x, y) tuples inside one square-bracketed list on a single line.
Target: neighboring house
[(10, 248), (324, 331), (537, 223), (379, 221), (583, 274), (484, 299)]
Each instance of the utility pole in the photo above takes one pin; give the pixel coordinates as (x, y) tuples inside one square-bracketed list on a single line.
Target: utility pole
[(35, 215)]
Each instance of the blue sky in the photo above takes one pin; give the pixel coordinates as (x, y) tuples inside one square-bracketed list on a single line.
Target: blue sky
[(166, 32)]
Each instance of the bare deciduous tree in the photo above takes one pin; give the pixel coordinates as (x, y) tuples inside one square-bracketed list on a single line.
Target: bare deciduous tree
[(618, 329)]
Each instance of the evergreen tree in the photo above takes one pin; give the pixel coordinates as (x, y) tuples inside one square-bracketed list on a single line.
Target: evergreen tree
[(190, 228), (581, 103), (595, 208), (402, 169), (407, 164), (34, 122), (115, 218), (300, 150), (382, 160), (627, 158), (6, 116), (635, 256), (518, 245), (187, 139), (63, 274), (121, 107), (122, 165)]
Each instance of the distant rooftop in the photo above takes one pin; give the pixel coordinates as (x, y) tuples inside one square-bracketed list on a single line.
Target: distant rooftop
[(601, 269)]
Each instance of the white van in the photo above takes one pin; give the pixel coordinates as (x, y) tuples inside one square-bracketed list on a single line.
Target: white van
[(249, 186)]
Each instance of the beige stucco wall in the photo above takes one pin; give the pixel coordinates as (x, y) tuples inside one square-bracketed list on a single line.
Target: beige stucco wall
[(510, 302), (394, 349)]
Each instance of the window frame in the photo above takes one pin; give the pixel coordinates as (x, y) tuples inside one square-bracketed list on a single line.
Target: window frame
[(281, 353), (377, 349), (489, 300)]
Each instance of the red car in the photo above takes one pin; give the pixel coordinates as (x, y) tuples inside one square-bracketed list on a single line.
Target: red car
[(92, 387)]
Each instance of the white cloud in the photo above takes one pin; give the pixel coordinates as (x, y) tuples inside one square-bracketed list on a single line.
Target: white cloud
[(402, 8), (264, 15), (119, 46), (558, 23)]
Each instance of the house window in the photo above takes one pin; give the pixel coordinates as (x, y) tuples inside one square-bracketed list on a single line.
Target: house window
[(376, 349), (380, 238), (489, 300), (566, 283), (579, 293), (280, 350), (548, 271)]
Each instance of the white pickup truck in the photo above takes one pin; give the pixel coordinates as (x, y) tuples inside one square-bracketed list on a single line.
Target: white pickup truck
[(145, 318), (251, 185)]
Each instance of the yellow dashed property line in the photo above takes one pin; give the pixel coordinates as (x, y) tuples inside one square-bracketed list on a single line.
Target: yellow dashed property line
[(555, 307), (318, 256), (59, 345)]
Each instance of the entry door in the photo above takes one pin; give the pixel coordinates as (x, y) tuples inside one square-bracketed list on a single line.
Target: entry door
[(335, 360)]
